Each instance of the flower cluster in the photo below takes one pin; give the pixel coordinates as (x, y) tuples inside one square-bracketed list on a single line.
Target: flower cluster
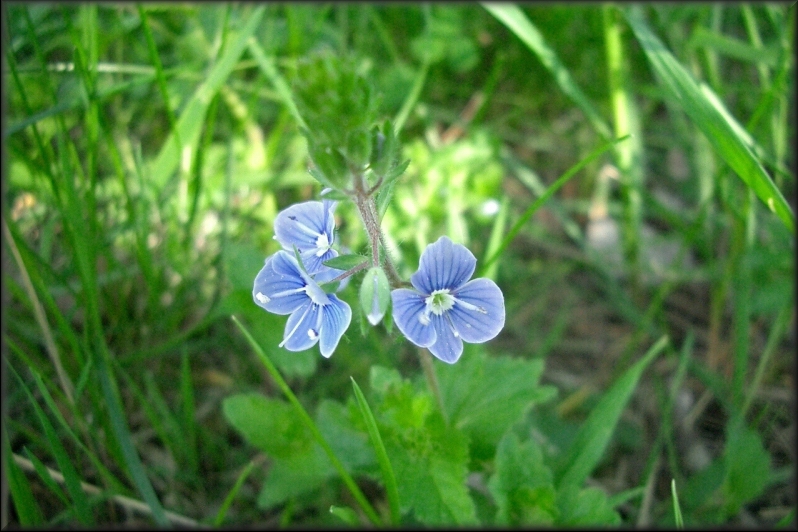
[(444, 309), (359, 159), (287, 286)]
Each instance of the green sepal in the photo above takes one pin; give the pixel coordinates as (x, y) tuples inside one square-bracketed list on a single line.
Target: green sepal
[(345, 262)]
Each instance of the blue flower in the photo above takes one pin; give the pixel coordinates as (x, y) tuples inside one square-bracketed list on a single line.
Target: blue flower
[(283, 287), (446, 309), (310, 227)]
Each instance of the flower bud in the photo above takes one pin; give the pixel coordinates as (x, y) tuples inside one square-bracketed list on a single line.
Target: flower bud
[(375, 295)]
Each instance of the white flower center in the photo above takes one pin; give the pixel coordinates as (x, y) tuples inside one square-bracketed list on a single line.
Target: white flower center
[(322, 245), (439, 301)]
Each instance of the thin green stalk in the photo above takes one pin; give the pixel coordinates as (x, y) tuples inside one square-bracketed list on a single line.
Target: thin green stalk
[(629, 153), (159, 75), (308, 421), (775, 336), (432, 380), (217, 522), (382, 456), (412, 97), (28, 511), (41, 319), (544, 197)]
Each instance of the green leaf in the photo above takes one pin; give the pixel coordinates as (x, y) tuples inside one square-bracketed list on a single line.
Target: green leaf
[(747, 466), (595, 432), (431, 469), (705, 113), (295, 476), (586, 507), (300, 473), (305, 418), (554, 187), (345, 262), (522, 484), (271, 425), (429, 459), (485, 396)]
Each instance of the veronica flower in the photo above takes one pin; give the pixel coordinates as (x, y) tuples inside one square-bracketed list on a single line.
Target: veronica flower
[(283, 287), (310, 227), (446, 309)]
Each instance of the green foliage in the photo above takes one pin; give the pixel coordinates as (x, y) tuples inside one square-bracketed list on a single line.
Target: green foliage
[(429, 458), (150, 147), (484, 397)]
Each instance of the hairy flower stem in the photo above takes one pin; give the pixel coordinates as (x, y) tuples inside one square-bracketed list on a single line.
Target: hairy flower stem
[(367, 207), (432, 380)]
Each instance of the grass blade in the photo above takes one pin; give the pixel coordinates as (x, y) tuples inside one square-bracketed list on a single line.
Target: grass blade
[(189, 125), (122, 433), (382, 457), (511, 16), (28, 511), (306, 419), (596, 431), (82, 510), (412, 97), (232, 495), (267, 66), (677, 511), (705, 113), (542, 199)]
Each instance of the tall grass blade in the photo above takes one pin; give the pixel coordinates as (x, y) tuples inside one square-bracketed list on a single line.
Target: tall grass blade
[(122, 433), (544, 197), (308, 421), (189, 125), (412, 97), (217, 522), (82, 510), (388, 476), (703, 111), (596, 431), (511, 16), (267, 66), (28, 510), (159, 75), (677, 510), (46, 477)]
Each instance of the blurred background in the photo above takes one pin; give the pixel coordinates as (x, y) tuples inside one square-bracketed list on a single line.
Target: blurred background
[(149, 147)]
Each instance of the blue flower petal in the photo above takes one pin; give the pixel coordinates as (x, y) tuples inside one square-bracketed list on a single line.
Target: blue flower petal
[(478, 313), (314, 263), (302, 327), (279, 293), (443, 265), (408, 309), (310, 227), (335, 320), (448, 346)]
